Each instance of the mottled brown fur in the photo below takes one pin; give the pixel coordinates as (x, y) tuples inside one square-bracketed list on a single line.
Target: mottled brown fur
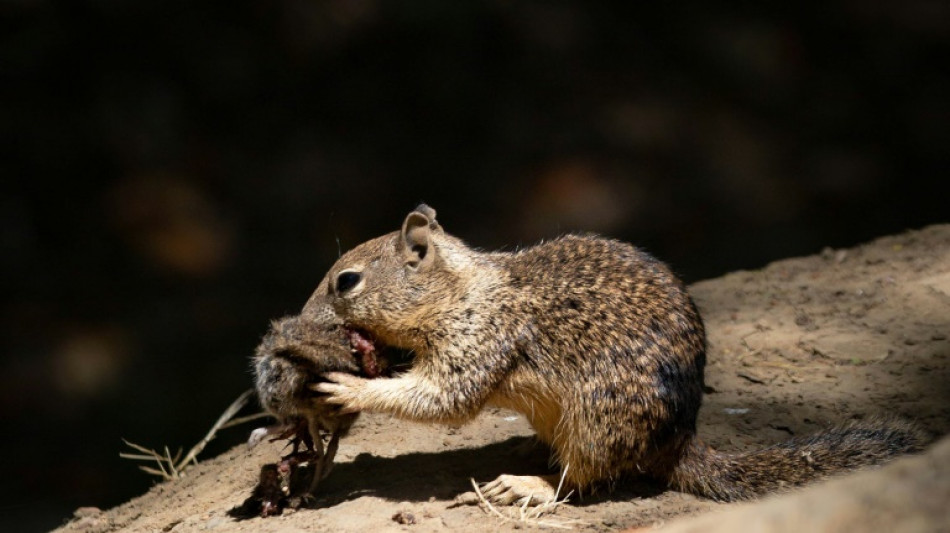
[(595, 341)]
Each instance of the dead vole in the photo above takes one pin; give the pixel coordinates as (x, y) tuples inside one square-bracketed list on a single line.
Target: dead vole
[(294, 355)]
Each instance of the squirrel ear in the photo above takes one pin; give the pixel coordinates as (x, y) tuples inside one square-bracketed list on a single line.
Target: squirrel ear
[(429, 213), (415, 238)]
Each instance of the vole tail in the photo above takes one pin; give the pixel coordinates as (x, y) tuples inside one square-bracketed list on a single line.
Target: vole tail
[(728, 477)]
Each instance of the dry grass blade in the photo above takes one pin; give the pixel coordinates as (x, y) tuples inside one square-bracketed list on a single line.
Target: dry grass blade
[(228, 414), (244, 419), (172, 467), (135, 456), (154, 471)]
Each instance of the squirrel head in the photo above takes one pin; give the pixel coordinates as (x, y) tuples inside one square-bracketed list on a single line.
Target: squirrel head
[(392, 285)]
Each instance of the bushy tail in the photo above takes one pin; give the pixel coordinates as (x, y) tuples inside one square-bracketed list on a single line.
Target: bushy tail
[(729, 477)]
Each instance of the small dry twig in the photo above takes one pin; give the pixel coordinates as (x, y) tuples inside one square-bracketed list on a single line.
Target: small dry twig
[(174, 466)]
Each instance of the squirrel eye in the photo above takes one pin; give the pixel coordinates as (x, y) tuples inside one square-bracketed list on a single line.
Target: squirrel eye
[(346, 281)]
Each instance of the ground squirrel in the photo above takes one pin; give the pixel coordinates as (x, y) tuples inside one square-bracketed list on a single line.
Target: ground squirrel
[(597, 343)]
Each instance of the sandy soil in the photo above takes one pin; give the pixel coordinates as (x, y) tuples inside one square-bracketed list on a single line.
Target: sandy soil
[(798, 345)]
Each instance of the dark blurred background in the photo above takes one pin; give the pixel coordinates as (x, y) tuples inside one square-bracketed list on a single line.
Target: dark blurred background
[(175, 174)]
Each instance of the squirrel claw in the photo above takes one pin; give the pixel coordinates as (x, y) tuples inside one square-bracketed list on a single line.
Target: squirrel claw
[(341, 379), (465, 498), (342, 389)]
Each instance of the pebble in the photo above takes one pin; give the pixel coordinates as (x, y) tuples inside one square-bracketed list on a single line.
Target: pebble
[(86, 522), (404, 518), (84, 512)]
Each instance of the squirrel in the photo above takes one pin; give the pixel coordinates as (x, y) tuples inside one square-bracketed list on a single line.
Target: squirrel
[(596, 342)]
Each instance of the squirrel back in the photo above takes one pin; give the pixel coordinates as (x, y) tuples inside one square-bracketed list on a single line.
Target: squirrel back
[(596, 342)]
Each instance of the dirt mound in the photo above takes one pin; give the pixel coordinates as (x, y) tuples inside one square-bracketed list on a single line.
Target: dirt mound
[(796, 346)]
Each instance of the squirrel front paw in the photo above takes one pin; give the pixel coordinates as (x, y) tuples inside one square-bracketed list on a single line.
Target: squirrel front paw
[(342, 389)]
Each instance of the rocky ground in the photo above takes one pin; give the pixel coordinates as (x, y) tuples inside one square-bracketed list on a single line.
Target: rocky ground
[(794, 347)]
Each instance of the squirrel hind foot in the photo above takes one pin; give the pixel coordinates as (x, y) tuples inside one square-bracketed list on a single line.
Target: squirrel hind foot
[(522, 490)]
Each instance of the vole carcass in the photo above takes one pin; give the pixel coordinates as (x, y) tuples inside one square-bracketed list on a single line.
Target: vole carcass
[(294, 355)]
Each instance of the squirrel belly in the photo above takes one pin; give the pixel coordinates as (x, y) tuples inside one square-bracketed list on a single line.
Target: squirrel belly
[(597, 343)]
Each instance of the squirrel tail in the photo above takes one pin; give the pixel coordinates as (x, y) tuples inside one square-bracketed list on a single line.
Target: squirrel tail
[(729, 477)]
